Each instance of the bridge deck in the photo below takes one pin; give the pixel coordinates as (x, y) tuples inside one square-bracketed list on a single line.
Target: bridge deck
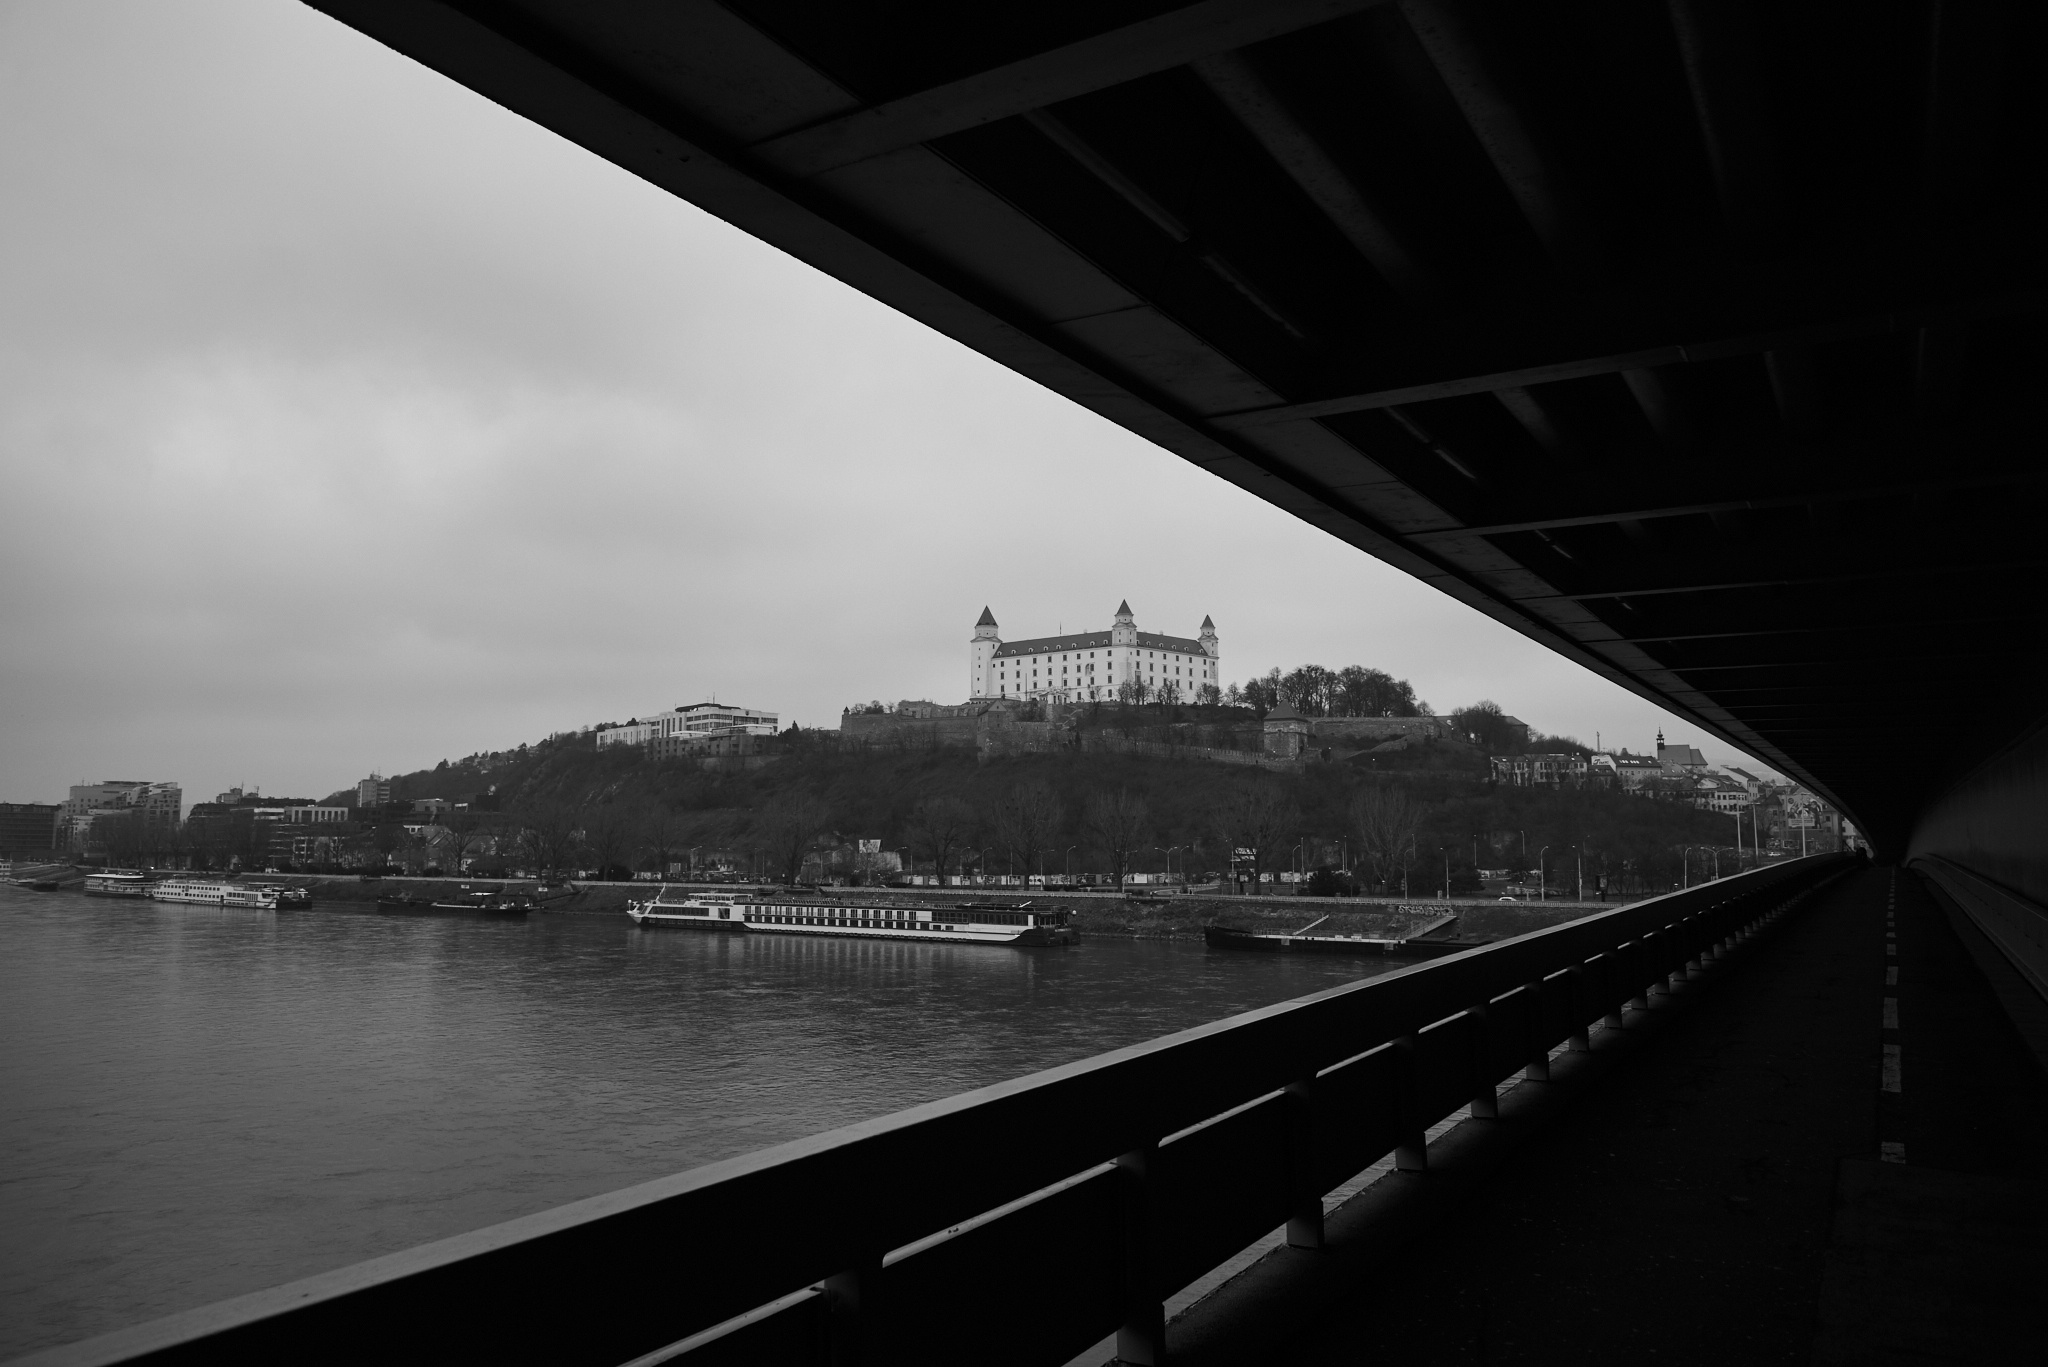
[(1722, 1198)]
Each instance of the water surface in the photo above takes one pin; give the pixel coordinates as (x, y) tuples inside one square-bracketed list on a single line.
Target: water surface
[(197, 1103)]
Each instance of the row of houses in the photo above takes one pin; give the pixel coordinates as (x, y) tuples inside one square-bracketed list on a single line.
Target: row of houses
[(1793, 817)]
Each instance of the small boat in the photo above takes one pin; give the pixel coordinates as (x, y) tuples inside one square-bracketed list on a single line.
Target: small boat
[(1018, 923), (404, 901), (288, 894), (116, 883), (1303, 941)]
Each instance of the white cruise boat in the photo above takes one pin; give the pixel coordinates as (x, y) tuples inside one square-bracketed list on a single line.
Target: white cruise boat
[(216, 892), (1018, 923), (116, 883)]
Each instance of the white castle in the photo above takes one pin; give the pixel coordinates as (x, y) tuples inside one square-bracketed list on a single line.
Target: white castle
[(1091, 666)]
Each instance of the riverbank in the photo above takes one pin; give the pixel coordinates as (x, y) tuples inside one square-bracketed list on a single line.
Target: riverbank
[(1100, 914)]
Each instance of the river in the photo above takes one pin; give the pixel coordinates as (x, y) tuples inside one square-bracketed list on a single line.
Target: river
[(197, 1103)]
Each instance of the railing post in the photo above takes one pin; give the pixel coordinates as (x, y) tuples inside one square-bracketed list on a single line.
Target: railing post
[(1141, 1339), (1485, 1089), (1411, 1147), (1305, 1222), (852, 1313), (1577, 983), (1537, 1069), (1611, 974)]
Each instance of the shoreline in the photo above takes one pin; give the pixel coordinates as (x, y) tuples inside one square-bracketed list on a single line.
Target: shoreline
[(1099, 914)]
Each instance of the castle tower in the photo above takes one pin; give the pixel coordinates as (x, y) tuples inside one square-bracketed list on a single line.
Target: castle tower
[(1125, 632), (981, 656), (1210, 643)]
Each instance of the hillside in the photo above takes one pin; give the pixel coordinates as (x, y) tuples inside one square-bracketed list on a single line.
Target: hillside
[(872, 794)]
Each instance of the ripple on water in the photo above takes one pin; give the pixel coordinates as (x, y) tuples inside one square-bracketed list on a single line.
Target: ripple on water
[(201, 1103)]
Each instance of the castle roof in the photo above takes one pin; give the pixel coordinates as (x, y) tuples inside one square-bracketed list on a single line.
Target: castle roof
[(1096, 640), (1285, 712), (1123, 609), (987, 619), (1207, 624)]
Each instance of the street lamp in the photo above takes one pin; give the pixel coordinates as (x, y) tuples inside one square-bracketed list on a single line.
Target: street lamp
[(1070, 862), (1542, 890), (1685, 862), (1447, 871), (983, 862)]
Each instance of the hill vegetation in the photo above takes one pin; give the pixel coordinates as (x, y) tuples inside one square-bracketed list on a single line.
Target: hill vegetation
[(1423, 813)]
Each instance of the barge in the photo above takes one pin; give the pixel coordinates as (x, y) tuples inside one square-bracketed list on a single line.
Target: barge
[(1411, 944), (1021, 924), (116, 883)]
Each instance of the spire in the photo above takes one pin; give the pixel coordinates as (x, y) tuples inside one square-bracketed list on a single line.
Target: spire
[(1123, 609), (987, 619), (1207, 624)]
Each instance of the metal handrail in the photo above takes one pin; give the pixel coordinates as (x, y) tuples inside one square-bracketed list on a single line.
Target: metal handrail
[(1149, 1165)]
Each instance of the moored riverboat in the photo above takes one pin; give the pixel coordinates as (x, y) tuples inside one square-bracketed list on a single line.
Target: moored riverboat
[(44, 877), (1022, 924), (116, 883), (217, 892), (288, 894), (691, 910)]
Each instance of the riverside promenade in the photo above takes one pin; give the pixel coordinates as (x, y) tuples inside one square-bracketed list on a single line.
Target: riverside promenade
[(1833, 1155)]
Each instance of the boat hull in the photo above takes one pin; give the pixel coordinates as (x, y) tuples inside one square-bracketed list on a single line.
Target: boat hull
[(1221, 937)]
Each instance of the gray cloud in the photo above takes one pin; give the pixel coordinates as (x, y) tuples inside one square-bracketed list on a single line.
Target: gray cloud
[(349, 421)]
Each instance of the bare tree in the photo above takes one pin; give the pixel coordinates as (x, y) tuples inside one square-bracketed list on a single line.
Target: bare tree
[(1309, 689), (1384, 821), (608, 835), (1119, 824), (461, 834), (1256, 819), (658, 834), (547, 837), (1026, 820), (939, 826), (787, 828)]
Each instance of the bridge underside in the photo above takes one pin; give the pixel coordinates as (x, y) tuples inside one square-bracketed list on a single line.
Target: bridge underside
[(1701, 342)]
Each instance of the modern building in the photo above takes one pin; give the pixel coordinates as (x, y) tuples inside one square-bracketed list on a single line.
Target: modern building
[(28, 827), (90, 804), (1091, 666), (373, 791), (702, 720)]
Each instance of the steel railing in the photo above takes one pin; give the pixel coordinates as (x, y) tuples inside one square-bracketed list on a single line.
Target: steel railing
[(1020, 1223)]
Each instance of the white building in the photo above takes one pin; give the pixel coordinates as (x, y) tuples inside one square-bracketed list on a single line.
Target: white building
[(1091, 666), (701, 719)]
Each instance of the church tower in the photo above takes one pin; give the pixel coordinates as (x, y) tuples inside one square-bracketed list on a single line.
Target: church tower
[(981, 657), (1210, 645)]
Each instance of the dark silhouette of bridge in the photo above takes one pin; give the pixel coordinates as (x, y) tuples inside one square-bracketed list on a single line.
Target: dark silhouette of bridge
[(1701, 342)]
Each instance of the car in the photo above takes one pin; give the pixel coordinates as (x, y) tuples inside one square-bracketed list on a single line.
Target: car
[(1510, 899)]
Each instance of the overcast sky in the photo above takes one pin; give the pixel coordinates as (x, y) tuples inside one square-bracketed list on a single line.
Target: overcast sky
[(350, 422)]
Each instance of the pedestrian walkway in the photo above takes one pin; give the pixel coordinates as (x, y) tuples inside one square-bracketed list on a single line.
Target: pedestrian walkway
[(1832, 1156)]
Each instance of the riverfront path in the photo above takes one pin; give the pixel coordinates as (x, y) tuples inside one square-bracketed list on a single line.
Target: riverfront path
[(1734, 1194)]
